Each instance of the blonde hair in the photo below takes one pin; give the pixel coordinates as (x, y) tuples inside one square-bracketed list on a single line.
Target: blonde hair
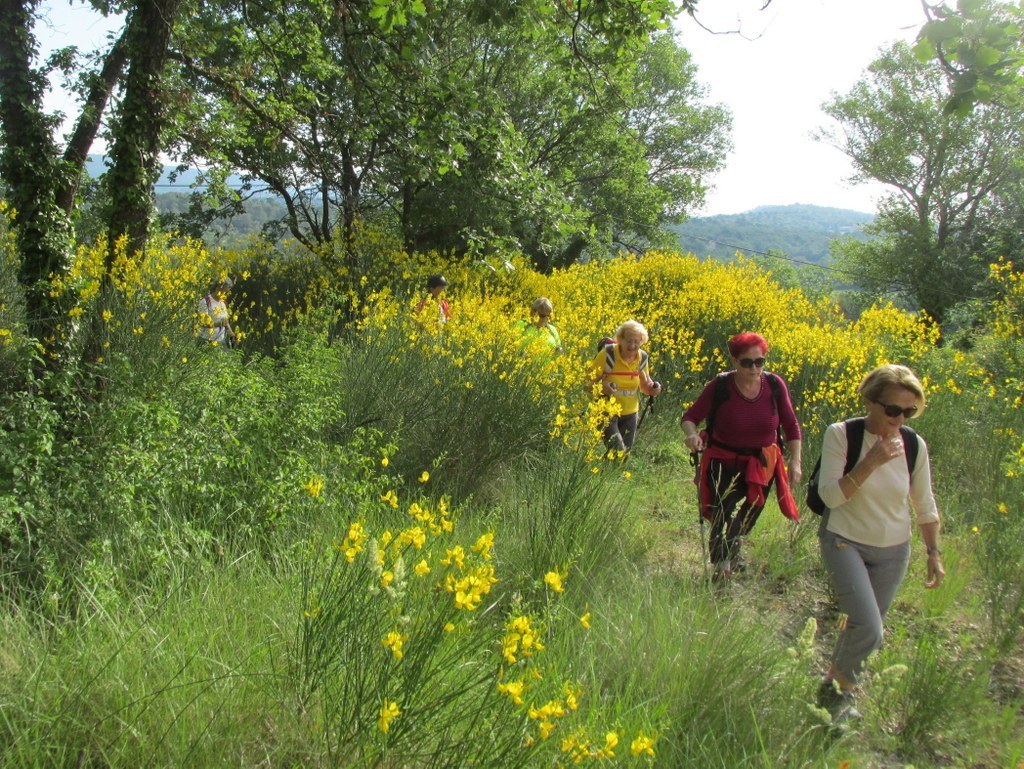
[(889, 375), (541, 306), (631, 326)]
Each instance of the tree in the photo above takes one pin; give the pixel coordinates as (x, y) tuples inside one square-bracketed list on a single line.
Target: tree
[(135, 159), (41, 181), (945, 168), (574, 166), (31, 172), (548, 124)]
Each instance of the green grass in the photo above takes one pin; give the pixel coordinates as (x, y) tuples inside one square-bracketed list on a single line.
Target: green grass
[(206, 616)]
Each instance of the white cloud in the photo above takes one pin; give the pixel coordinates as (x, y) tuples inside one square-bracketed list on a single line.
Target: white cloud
[(774, 76)]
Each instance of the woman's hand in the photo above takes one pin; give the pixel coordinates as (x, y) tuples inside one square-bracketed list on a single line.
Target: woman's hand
[(796, 472), (886, 449), (936, 572), (692, 440)]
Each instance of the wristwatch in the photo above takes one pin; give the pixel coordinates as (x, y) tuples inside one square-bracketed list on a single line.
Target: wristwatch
[(933, 549)]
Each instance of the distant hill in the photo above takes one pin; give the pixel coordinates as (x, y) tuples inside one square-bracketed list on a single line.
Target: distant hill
[(800, 231)]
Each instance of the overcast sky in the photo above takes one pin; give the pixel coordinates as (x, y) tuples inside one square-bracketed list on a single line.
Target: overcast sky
[(775, 77)]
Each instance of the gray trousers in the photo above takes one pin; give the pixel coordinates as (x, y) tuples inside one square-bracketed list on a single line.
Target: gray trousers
[(865, 580)]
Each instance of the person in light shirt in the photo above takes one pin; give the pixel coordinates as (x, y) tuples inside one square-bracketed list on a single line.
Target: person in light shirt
[(214, 318), (865, 529)]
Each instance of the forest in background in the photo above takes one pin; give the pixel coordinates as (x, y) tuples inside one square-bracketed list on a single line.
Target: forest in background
[(800, 231)]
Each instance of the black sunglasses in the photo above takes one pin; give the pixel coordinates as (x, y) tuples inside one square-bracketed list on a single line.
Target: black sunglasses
[(892, 410), (751, 362)]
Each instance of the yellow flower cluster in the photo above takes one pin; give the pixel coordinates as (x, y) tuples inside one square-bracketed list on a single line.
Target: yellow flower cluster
[(1008, 312), (395, 641), (521, 640), (354, 541), (314, 486), (389, 712)]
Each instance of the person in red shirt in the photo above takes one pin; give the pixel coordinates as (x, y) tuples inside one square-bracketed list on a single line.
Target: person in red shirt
[(743, 410), (436, 285)]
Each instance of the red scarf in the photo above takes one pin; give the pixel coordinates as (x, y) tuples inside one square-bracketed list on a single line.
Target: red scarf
[(759, 471)]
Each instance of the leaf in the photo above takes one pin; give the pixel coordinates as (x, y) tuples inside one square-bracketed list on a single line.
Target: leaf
[(941, 30), (924, 50), (986, 57)]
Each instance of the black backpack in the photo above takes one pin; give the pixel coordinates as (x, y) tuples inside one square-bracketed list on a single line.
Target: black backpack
[(854, 440)]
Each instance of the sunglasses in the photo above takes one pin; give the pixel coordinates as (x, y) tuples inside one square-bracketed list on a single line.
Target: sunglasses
[(892, 410), (751, 362), (543, 315)]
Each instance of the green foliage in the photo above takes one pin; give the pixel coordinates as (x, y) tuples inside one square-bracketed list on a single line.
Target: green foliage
[(557, 126), (192, 595), (913, 695), (981, 469), (979, 43), (451, 415), (561, 512), (362, 647), (944, 169)]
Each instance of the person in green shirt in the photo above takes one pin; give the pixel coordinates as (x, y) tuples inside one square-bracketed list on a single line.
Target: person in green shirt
[(540, 327)]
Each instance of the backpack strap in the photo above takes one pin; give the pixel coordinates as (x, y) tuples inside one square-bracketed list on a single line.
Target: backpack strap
[(854, 440), (911, 447), (776, 385), (609, 361)]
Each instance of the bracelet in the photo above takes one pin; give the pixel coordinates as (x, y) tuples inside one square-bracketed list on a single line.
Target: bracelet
[(933, 550), (853, 481)]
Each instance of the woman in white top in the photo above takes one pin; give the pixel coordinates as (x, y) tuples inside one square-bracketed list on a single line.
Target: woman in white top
[(865, 530), (215, 320)]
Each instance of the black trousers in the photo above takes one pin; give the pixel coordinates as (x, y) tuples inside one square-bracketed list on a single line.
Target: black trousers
[(732, 517), (620, 432)]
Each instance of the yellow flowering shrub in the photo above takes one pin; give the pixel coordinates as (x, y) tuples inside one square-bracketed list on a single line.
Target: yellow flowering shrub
[(690, 308)]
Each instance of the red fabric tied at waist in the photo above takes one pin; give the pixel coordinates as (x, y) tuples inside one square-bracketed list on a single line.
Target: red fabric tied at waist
[(758, 472)]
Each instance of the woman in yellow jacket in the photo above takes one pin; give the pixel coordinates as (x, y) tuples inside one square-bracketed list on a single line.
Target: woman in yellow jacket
[(621, 370)]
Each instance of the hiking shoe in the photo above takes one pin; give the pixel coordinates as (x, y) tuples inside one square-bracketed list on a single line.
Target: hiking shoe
[(838, 703), (739, 564)]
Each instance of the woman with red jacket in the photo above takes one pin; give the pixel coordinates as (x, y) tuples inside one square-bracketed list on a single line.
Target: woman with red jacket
[(744, 410)]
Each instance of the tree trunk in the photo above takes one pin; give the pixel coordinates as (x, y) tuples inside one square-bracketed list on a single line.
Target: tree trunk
[(88, 123), (135, 153), (30, 169)]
